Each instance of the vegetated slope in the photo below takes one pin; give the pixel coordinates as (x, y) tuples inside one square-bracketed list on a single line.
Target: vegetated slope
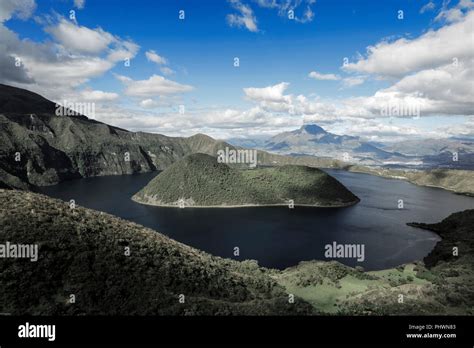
[(457, 230), (441, 284), (83, 252), (459, 181), (199, 180)]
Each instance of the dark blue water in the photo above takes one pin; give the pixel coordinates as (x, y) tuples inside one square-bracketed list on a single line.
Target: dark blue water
[(279, 237)]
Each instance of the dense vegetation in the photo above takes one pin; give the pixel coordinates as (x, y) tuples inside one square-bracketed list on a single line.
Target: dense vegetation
[(199, 180), (83, 252)]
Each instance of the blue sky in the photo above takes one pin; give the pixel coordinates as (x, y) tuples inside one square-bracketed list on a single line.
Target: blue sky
[(198, 53)]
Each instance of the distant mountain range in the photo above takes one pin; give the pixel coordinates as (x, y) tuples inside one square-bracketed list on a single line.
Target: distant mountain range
[(38, 148), (313, 140)]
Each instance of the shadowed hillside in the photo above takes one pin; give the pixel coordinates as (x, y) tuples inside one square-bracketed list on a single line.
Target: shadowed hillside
[(83, 252)]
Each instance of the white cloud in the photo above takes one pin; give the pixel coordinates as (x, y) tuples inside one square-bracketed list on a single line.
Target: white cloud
[(404, 56), (152, 56), (122, 50), (23, 9), (268, 94), (254, 122), (98, 96), (349, 82), (375, 129), (244, 17), (66, 71), (166, 71), (430, 6), (328, 77), (444, 90), (55, 68), (79, 4), (154, 86), (284, 6), (456, 13), (80, 39), (217, 122), (308, 16), (465, 129), (272, 98), (438, 84), (148, 103)]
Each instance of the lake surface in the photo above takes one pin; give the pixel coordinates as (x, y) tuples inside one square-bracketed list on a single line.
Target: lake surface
[(279, 237)]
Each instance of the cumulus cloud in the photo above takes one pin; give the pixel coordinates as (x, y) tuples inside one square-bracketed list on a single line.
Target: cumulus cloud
[(156, 85), (10, 72), (444, 90), (271, 93), (405, 56), (22, 9), (80, 39), (273, 99), (437, 84), (224, 123), (122, 50), (244, 16), (217, 122), (54, 68), (326, 77), (456, 13)]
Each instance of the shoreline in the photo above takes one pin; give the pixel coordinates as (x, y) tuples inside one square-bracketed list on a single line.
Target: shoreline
[(244, 205), (374, 172)]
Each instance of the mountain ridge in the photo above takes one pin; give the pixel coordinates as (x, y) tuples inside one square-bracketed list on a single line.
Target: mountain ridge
[(51, 149), (41, 148)]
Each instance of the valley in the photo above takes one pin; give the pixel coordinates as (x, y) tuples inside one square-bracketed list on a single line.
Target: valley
[(79, 247)]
